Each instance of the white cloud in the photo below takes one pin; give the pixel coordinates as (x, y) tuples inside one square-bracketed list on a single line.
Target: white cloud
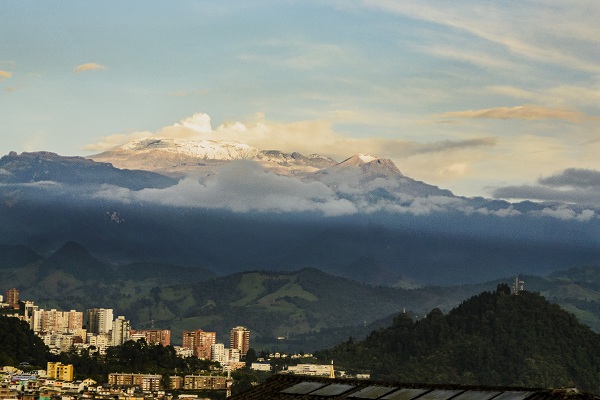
[(89, 67), (241, 186), (546, 31), (565, 213)]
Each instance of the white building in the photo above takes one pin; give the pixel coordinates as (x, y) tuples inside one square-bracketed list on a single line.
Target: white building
[(99, 320), (261, 367), (121, 329)]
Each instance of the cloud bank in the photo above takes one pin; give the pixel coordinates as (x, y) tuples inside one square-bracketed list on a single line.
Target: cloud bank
[(525, 112), (580, 187), (240, 186)]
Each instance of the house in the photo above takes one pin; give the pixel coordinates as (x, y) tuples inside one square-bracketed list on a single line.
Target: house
[(298, 387)]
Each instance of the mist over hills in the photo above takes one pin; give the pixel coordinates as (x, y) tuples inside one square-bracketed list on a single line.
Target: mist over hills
[(360, 218)]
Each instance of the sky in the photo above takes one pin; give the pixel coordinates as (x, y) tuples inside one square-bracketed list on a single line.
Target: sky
[(494, 99)]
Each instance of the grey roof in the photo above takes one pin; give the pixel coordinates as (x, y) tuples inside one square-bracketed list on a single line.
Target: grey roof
[(299, 387)]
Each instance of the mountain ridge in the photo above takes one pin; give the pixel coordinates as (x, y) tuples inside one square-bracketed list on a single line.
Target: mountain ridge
[(315, 306)]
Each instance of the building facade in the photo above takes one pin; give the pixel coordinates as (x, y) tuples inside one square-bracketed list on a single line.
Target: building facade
[(200, 342), (99, 320), (146, 382), (121, 329), (240, 339), (12, 298), (56, 370), (153, 336)]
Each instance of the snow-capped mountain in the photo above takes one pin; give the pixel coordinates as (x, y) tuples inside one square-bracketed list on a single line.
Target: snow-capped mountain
[(202, 157), (202, 149), (365, 173), (362, 178)]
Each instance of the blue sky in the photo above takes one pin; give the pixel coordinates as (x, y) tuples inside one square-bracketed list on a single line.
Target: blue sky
[(470, 95)]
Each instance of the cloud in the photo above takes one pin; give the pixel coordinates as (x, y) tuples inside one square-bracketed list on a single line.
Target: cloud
[(305, 137), (574, 178), (565, 213), (89, 67), (5, 75), (578, 187), (241, 186), (555, 33), (411, 148), (525, 112), (244, 186)]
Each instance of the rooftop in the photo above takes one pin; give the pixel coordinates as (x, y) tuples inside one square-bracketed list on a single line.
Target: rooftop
[(296, 387)]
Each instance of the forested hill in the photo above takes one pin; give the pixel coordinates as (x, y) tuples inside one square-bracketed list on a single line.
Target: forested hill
[(491, 339), (19, 344)]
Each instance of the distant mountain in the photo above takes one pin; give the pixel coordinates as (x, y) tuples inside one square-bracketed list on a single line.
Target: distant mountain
[(75, 260), (378, 177), (72, 278), (44, 166), (202, 157), (491, 339), (362, 218), (310, 308)]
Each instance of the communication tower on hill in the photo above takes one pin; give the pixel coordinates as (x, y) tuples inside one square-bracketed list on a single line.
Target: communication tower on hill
[(518, 285)]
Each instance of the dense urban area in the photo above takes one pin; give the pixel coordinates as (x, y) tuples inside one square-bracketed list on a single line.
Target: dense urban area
[(77, 341)]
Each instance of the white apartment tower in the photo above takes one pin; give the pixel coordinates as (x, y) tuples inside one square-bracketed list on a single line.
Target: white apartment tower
[(121, 330), (218, 353), (99, 320)]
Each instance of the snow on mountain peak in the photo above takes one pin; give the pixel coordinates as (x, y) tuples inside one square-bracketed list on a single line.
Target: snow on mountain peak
[(366, 157), (204, 149)]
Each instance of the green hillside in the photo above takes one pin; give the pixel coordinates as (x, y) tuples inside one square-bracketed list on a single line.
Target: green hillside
[(309, 308), (491, 339)]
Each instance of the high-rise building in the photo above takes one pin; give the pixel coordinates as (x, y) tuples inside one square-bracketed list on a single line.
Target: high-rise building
[(240, 339), (121, 329), (53, 321), (153, 336), (99, 320), (217, 353), (200, 342), (12, 298)]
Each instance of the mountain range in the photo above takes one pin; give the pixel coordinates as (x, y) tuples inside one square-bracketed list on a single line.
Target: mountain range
[(309, 308), (229, 207)]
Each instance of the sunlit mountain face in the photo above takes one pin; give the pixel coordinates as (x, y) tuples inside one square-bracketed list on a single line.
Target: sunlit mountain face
[(229, 207)]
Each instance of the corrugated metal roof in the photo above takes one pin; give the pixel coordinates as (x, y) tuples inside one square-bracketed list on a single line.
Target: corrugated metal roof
[(440, 394), (298, 387), (514, 395), (477, 395), (405, 394), (303, 387), (372, 392), (333, 390)]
